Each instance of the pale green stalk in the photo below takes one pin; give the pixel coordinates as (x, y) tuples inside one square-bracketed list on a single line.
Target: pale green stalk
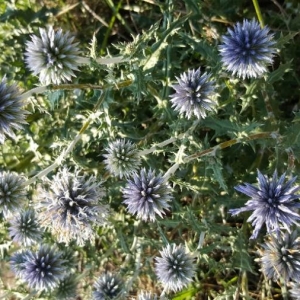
[(258, 13)]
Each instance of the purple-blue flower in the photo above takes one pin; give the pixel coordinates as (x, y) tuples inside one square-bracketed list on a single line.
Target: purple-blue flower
[(247, 49), (13, 194), (12, 114), (24, 228), (147, 195), (194, 94), (175, 268), (108, 286), (280, 257), (53, 56), (71, 206), (42, 269), (122, 158), (273, 203)]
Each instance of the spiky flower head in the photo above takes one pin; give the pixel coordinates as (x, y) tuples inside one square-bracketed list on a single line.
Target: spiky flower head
[(53, 56), (247, 49), (17, 262), (108, 286), (295, 290), (122, 158), (146, 296), (42, 269), (66, 288), (273, 203), (70, 207), (194, 94), (24, 228), (175, 268), (12, 114), (280, 257), (12, 192), (147, 195)]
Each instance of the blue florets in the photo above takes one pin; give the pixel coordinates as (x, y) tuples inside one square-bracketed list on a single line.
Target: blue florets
[(273, 203), (247, 49)]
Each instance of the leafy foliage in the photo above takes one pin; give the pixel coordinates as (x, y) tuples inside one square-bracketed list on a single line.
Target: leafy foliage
[(255, 125)]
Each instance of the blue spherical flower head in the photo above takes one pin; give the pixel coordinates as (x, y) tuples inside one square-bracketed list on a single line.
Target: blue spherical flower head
[(247, 49), (108, 286), (122, 158), (194, 94), (24, 228), (273, 203), (43, 269), (280, 257), (147, 195), (12, 193), (71, 206), (175, 268), (17, 262), (53, 56), (12, 114)]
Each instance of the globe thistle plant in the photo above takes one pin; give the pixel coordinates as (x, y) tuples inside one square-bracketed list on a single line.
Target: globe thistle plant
[(17, 262), (147, 195), (53, 56), (122, 158), (12, 114), (146, 296), (66, 288), (280, 257), (247, 49), (295, 290), (108, 286), (70, 207), (175, 268), (194, 94), (42, 269), (273, 203), (24, 228), (12, 192)]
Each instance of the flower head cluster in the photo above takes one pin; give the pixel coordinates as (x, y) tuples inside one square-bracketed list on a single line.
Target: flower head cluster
[(24, 228), (12, 115), (147, 195), (194, 93), (53, 56), (42, 269), (12, 192), (108, 286), (281, 257), (247, 49), (70, 207), (122, 158), (273, 203), (175, 268), (146, 296)]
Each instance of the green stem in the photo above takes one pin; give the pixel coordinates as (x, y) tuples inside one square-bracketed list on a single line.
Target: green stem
[(109, 29), (73, 86), (258, 13), (284, 290), (227, 144)]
